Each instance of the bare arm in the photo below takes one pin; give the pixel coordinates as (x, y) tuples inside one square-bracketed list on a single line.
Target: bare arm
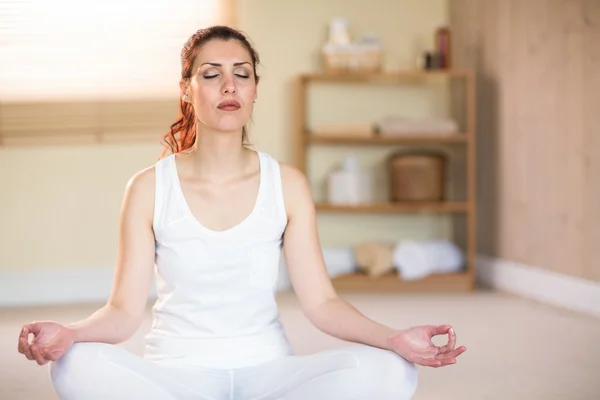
[(118, 320), (308, 274)]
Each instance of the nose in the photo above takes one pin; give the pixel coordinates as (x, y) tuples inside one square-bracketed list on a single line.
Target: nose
[(228, 85)]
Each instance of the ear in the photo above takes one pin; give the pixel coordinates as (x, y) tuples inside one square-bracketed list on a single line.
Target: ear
[(185, 92)]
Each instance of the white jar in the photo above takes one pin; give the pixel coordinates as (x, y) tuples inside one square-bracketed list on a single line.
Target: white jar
[(349, 185)]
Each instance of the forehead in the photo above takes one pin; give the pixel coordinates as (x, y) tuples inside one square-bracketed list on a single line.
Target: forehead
[(223, 52)]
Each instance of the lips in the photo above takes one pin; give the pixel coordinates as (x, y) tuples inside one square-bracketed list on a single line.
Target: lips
[(229, 105)]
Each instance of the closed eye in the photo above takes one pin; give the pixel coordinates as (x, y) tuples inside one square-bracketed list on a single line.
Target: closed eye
[(214, 76)]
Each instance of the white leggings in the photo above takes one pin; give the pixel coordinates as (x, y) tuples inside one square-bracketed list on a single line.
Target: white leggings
[(94, 371)]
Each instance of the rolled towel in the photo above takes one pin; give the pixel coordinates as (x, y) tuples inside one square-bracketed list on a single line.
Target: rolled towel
[(411, 260), (418, 259), (339, 260)]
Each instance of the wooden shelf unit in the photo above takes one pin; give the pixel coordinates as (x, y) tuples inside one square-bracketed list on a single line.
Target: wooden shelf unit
[(461, 281), (452, 282)]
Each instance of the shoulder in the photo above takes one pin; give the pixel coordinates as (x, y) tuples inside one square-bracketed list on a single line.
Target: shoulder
[(293, 180), (142, 180), (291, 175), (139, 190), (296, 188)]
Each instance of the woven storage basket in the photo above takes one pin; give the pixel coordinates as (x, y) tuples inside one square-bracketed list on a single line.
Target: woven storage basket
[(417, 176), (352, 61)]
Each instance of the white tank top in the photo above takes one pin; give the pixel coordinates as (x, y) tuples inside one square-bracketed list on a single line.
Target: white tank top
[(216, 304)]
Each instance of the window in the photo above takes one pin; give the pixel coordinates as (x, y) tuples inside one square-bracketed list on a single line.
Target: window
[(81, 55)]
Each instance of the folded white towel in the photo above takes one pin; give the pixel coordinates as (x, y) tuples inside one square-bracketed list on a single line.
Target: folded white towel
[(396, 125), (418, 259)]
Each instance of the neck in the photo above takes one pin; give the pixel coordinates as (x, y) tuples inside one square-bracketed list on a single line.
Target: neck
[(219, 156)]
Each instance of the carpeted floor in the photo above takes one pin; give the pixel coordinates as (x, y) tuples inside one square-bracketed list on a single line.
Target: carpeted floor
[(517, 349)]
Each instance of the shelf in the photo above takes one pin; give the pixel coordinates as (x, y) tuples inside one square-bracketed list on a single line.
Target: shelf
[(376, 139), (381, 75), (396, 207), (452, 282), (461, 87)]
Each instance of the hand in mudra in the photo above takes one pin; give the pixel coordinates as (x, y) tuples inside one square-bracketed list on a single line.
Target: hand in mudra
[(415, 345), (50, 341)]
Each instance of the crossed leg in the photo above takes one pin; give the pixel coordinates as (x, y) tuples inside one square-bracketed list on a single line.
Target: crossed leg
[(354, 372), (100, 371)]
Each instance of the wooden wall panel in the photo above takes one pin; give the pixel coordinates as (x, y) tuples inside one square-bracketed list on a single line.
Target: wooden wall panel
[(535, 63), (591, 73)]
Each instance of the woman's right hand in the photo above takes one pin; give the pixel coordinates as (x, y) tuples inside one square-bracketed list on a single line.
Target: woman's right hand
[(50, 341)]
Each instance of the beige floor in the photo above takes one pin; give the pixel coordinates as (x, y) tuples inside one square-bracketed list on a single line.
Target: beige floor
[(517, 349)]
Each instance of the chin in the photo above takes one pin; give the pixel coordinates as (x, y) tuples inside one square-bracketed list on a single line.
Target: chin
[(230, 124), (228, 128)]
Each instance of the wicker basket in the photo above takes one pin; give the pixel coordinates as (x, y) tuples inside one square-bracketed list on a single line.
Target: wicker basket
[(417, 176), (352, 60)]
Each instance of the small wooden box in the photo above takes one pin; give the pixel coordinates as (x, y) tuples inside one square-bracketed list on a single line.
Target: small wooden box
[(417, 176)]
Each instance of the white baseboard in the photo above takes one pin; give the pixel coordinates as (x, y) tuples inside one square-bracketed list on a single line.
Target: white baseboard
[(539, 284), (68, 286), (56, 286)]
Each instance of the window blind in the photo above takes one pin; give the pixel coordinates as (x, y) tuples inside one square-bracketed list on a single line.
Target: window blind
[(81, 49), (76, 71)]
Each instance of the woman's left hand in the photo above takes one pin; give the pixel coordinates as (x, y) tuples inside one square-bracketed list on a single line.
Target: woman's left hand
[(415, 345)]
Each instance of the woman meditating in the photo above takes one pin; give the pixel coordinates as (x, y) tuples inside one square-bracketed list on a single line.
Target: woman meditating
[(212, 217)]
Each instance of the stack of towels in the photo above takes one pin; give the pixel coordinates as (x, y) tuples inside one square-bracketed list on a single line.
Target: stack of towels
[(398, 125), (409, 259)]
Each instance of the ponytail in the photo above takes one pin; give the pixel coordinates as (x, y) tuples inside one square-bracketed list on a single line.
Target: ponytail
[(182, 133)]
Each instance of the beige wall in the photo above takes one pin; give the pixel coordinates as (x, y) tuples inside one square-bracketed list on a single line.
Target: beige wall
[(537, 64), (60, 203)]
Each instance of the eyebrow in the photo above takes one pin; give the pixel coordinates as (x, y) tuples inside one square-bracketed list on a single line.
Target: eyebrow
[(220, 65)]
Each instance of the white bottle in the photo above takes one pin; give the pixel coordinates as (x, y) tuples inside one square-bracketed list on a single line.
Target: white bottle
[(339, 33), (352, 180), (349, 185), (337, 188)]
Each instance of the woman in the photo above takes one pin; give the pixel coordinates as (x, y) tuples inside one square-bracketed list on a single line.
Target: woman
[(213, 216)]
